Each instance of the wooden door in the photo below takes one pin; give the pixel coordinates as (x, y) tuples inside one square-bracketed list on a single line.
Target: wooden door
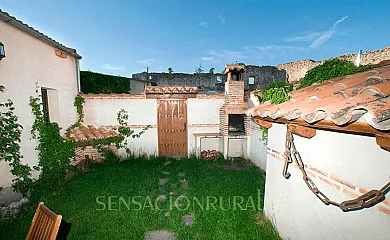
[(172, 128)]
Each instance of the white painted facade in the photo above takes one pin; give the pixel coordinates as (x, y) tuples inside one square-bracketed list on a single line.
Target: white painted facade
[(137, 86), (203, 112), (299, 214), (258, 147), (31, 64), (202, 117), (103, 112)]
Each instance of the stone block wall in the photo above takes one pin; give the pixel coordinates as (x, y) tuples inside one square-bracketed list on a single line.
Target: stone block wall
[(208, 82), (295, 71), (205, 81)]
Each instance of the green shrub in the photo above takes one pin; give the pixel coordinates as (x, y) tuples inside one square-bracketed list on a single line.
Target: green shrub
[(332, 69), (277, 92), (101, 83)]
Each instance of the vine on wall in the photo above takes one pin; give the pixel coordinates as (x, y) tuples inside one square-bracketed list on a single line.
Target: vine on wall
[(276, 93), (55, 152), (10, 134), (78, 103)]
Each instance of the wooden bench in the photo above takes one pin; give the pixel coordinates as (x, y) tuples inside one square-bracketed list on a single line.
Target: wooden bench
[(45, 224)]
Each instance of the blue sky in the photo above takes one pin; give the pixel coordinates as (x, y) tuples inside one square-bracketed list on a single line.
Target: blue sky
[(121, 37)]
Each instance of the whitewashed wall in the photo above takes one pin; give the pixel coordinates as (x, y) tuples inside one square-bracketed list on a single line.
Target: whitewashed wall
[(203, 117), (103, 112), (299, 214), (258, 148), (29, 65), (137, 86)]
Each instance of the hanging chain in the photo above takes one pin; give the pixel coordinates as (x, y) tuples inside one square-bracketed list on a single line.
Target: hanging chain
[(366, 200)]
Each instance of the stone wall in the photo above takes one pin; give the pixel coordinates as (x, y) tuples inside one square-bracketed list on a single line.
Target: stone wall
[(295, 71), (263, 75), (205, 81), (208, 82)]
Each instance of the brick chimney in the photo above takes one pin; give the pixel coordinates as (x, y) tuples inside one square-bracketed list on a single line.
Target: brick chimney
[(233, 120)]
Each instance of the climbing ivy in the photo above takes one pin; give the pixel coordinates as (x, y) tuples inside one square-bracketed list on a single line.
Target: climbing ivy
[(10, 134), (276, 93), (331, 69), (125, 131), (54, 152), (78, 103)]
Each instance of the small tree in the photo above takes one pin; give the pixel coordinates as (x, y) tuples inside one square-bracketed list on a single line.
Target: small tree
[(211, 70), (199, 69), (170, 70)]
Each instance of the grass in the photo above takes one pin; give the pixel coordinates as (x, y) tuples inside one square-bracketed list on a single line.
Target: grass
[(76, 200)]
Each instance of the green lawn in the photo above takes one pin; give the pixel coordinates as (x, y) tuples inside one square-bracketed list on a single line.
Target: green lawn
[(118, 201)]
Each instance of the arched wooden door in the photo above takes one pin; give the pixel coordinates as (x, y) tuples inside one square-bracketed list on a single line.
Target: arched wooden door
[(172, 128)]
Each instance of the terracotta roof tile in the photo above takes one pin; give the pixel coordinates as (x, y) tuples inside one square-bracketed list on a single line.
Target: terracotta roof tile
[(170, 89), (343, 100), (83, 133), (234, 67)]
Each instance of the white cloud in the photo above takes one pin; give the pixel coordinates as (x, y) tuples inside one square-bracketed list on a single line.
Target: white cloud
[(327, 34), (207, 58), (305, 38), (147, 62), (221, 18), (204, 24), (271, 48), (112, 67), (227, 55)]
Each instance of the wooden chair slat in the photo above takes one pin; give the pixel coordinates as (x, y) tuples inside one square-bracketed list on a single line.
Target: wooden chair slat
[(45, 224)]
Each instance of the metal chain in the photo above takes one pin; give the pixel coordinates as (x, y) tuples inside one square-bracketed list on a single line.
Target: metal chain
[(366, 200)]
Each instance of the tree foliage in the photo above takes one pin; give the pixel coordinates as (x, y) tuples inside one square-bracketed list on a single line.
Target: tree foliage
[(331, 69), (92, 82), (211, 70), (170, 70), (199, 70)]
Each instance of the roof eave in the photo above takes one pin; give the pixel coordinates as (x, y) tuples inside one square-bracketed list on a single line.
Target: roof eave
[(35, 33)]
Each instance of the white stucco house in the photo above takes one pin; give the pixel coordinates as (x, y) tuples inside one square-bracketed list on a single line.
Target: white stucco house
[(34, 65), (340, 130)]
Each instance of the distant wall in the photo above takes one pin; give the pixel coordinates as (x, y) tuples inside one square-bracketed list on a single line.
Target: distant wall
[(264, 75), (295, 71), (137, 86), (205, 81), (208, 82)]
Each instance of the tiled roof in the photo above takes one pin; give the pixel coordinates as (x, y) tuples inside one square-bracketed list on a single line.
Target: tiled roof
[(362, 96), (85, 134), (170, 89), (234, 67), (6, 17)]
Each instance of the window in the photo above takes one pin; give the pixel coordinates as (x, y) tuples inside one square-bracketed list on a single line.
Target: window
[(45, 103), (251, 80), (219, 79), (50, 105)]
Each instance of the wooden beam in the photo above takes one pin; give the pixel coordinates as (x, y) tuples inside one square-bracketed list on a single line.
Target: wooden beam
[(262, 123), (302, 131), (357, 128), (353, 128)]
